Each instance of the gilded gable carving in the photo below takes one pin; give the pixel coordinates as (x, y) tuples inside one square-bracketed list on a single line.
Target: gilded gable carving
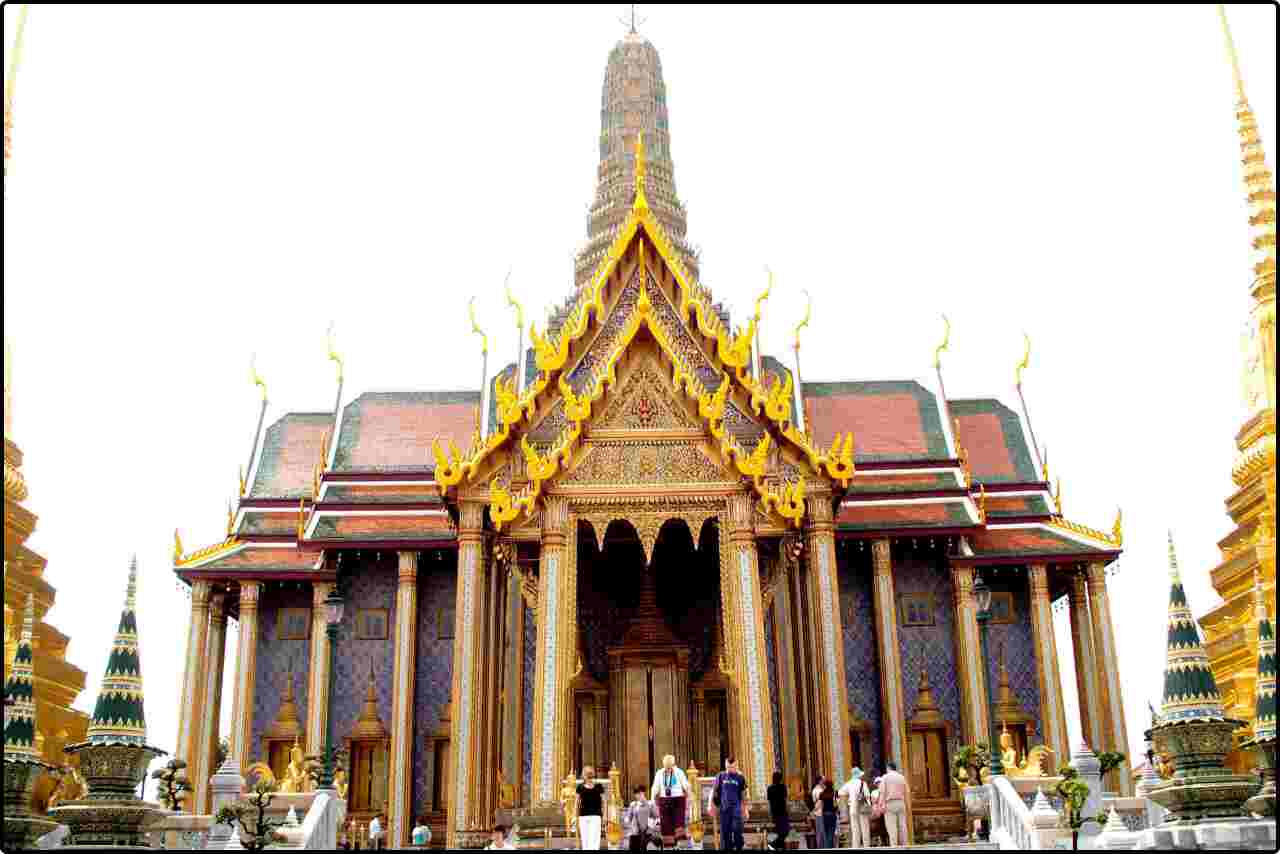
[(625, 463), (645, 402)]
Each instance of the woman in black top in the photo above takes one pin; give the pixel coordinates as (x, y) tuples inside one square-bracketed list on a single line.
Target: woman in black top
[(777, 794), (590, 810), (829, 815)]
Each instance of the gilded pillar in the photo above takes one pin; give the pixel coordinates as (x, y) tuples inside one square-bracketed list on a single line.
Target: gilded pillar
[(1052, 723), (512, 696), (318, 675), (466, 727), (201, 765), (493, 673), (891, 696), (1111, 699), (972, 678), (804, 656), (556, 648), (832, 696), (783, 618), (1090, 704), (246, 672), (191, 712), (745, 644), (400, 808)]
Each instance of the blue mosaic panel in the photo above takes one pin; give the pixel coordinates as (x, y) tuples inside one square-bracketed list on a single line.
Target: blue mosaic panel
[(530, 673), (1015, 639), (373, 586), (275, 657), (775, 695), (861, 661), (433, 673), (931, 647)]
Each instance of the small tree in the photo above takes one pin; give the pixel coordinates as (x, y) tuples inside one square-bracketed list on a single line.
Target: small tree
[(1075, 794), (220, 753), (971, 759), (256, 830), (1110, 761), (173, 784)]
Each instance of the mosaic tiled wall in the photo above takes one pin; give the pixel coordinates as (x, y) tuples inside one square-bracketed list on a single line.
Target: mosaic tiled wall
[(928, 646), (433, 677), (373, 585), (861, 662), (275, 657), (1016, 642), (530, 668)]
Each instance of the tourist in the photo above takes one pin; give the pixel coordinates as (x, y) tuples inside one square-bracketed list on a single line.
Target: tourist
[(375, 832), (421, 834), (637, 819), (590, 810), (894, 796), (498, 840), (858, 797), (670, 789), (777, 794), (824, 813), (729, 798)]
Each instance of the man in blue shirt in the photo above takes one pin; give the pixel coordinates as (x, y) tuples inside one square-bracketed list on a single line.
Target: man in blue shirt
[(729, 798)]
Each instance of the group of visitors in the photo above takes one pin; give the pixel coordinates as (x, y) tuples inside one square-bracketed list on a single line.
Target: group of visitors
[(886, 797)]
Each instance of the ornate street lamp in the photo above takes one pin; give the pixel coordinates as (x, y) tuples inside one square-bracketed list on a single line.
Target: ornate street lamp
[(332, 617), (982, 595)]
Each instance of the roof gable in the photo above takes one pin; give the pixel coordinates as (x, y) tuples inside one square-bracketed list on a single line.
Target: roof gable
[(392, 431), (991, 434), (891, 420), (290, 451)]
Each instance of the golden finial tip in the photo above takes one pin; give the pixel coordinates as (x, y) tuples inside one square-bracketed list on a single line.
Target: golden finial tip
[(808, 311), (946, 343), (333, 353), (1026, 360), (253, 375)]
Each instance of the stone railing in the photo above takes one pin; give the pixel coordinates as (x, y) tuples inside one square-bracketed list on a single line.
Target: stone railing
[(180, 831), (320, 827), (1014, 826)]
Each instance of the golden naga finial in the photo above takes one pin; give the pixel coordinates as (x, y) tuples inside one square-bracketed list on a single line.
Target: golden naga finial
[(15, 59), (982, 503), (1044, 465), (778, 405), (449, 468), (808, 311), (839, 459), (242, 483), (946, 343), (253, 375), (177, 546), (764, 296), (1026, 360), (1231, 54), (302, 518), (231, 518), (475, 327), (511, 301), (333, 353), (1057, 497), (1117, 530)]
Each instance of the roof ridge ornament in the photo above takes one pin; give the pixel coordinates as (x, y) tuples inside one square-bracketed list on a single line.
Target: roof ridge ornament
[(255, 377), (631, 25), (333, 354), (944, 346)]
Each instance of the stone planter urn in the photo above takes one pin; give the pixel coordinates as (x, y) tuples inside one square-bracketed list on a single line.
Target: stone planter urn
[(1202, 787)]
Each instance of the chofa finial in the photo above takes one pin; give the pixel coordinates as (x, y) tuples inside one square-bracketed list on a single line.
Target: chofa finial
[(253, 375), (333, 353), (944, 346), (808, 312), (1026, 360)]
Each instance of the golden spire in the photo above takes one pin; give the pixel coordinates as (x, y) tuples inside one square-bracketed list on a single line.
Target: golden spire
[(944, 346), (1257, 178), (253, 375), (333, 353)]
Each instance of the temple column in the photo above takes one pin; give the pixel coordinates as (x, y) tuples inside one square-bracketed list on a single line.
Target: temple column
[(512, 697), (467, 725), (745, 642), (400, 808), (493, 667), (1091, 726), (1052, 723), (246, 673), (1104, 645), (831, 694), (201, 767), (972, 678), (782, 622), (891, 696), (190, 713), (318, 675)]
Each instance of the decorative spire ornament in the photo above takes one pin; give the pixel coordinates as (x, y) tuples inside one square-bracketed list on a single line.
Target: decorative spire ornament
[(19, 699), (118, 715), (1190, 692), (1264, 724)]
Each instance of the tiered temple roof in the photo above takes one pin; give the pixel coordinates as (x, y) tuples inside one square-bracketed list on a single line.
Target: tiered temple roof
[(385, 469)]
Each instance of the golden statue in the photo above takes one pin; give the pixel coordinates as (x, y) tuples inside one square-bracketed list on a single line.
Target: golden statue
[(297, 778), (569, 801), (1033, 763), (70, 787), (340, 782), (1008, 754)]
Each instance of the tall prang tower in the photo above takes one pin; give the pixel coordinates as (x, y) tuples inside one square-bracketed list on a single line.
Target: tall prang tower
[(633, 100)]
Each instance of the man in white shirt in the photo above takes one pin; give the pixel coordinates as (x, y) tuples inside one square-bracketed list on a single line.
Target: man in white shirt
[(375, 832), (498, 840), (858, 797)]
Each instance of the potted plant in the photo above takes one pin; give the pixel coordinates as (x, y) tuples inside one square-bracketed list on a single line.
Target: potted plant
[(173, 784), (1075, 794)]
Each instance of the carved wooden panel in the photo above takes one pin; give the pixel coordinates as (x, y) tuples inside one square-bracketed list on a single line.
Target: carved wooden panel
[(635, 727), (929, 777), (663, 686), (643, 462)]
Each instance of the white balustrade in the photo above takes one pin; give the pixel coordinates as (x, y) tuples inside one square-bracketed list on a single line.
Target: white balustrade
[(1015, 826)]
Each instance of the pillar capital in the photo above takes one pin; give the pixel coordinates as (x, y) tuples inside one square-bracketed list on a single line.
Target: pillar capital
[(1038, 578), (819, 516), (250, 593), (320, 591), (1096, 575), (200, 593), (1079, 591), (218, 604), (408, 567), (740, 515), (880, 557), (962, 582)]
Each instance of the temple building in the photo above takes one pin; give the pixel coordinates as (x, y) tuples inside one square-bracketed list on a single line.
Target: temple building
[(656, 540), (57, 683), (1231, 630)]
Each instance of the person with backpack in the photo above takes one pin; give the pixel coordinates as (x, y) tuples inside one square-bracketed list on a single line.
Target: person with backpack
[(729, 799), (637, 820), (858, 797)]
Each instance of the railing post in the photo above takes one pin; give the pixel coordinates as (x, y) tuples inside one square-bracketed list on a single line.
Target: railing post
[(1090, 771)]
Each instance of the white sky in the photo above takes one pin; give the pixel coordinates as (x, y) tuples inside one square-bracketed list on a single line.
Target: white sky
[(193, 184)]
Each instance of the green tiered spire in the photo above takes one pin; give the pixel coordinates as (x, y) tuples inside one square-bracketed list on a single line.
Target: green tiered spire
[(1264, 724), (1190, 692), (20, 719), (117, 717)]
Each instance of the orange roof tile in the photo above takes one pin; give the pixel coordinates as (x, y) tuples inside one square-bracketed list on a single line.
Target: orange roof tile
[(392, 431), (290, 452)]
